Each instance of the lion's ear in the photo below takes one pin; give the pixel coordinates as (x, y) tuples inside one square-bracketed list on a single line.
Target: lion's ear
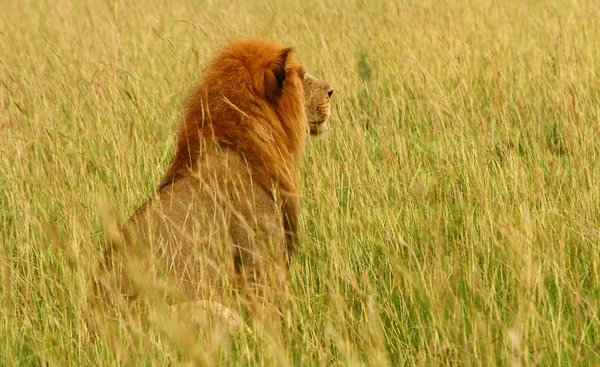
[(275, 74)]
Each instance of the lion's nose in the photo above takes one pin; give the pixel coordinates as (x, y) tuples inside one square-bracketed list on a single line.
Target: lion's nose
[(330, 93)]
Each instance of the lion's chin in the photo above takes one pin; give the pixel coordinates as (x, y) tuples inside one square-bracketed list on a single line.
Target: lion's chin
[(317, 128)]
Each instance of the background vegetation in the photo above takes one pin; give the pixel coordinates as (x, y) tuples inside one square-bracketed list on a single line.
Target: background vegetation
[(450, 217)]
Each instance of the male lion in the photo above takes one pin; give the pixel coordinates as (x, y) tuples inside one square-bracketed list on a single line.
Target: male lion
[(226, 211)]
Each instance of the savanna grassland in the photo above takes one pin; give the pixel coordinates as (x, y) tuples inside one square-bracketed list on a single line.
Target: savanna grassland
[(451, 216)]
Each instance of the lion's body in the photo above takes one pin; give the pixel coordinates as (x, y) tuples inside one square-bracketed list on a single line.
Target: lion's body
[(226, 211), (205, 225)]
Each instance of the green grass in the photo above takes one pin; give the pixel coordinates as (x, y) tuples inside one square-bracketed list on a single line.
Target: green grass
[(450, 218)]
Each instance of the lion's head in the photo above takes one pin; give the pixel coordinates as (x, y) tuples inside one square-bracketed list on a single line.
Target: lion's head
[(256, 98), (317, 94)]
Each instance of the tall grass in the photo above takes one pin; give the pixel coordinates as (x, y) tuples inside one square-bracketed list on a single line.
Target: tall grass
[(451, 216)]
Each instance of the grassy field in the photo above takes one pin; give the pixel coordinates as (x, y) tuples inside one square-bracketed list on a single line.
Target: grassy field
[(451, 217)]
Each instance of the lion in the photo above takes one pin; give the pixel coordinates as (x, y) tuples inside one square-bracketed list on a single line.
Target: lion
[(225, 214)]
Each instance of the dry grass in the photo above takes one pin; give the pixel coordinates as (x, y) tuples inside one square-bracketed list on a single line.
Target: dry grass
[(451, 217)]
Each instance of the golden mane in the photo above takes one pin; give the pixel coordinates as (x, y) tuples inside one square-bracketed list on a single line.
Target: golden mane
[(251, 100)]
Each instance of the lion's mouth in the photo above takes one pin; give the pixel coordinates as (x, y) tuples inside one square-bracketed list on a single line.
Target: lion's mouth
[(318, 127)]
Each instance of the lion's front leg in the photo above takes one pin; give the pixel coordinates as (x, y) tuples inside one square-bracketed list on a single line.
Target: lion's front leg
[(261, 268)]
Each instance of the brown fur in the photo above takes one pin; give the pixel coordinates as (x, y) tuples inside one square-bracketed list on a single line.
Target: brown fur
[(226, 211)]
